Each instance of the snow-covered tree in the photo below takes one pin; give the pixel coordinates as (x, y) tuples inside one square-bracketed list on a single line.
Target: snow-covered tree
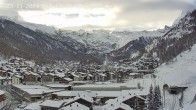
[(157, 98), (150, 99), (154, 98)]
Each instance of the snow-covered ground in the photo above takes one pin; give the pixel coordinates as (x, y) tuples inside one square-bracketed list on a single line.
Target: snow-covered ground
[(180, 72), (190, 107), (2, 60)]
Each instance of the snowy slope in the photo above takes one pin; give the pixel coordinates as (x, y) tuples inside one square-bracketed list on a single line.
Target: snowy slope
[(182, 25), (190, 107), (180, 73), (125, 37), (183, 68), (35, 27), (32, 26), (101, 41)]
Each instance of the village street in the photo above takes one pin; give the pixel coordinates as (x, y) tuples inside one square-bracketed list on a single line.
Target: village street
[(13, 100)]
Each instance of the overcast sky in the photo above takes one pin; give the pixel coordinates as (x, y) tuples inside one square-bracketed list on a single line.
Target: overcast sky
[(97, 14)]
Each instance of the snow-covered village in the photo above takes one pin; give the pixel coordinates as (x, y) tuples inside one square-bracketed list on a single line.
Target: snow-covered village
[(97, 55), (71, 85)]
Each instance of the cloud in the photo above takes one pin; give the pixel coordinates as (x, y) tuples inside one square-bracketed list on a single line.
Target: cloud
[(149, 13), (96, 15), (72, 15)]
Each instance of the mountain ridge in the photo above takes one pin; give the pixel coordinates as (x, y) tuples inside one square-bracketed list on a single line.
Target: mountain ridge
[(91, 46)]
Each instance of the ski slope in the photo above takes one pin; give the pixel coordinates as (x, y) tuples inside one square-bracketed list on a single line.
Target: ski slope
[(180, 72)]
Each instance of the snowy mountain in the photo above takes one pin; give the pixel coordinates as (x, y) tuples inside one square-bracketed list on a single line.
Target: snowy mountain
[(97, 41), (138, 44), (166, 46), (19, 41), (59, 44), (176, 51), (127, 36), (180, 38)]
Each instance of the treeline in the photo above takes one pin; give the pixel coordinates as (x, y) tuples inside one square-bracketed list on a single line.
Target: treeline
[(168, 48)]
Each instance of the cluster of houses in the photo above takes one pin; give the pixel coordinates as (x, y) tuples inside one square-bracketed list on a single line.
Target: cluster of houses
[(147, 64), (70, 86), (59, 97), (20, 71), (81, 100)]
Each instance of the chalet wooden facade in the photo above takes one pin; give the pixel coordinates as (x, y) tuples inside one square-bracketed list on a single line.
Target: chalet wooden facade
[(46, 78), (2, 96), (136, 102), (3, 73), (74, 76), (30, 78)]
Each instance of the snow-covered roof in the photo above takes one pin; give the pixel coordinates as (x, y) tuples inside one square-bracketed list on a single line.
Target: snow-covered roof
[(53, 103), (87, 93), (116, 106), (73, 73), (75, 106), (75, 93), (111, 73), (80, 96), (134, 74), (58, 85), (29, 86), (90, 75), (82, 73), (39, 91), (101, 74), (52, 74), (121, 99), (1, 78), (68, 79), (2, 92), (90, 93), (63, 93), (2, 71), (33, 106), (101, 94), (113, 85), (97, 107), (81, 82), (61, 75), (31, 73), (18, 76), (35, 89)]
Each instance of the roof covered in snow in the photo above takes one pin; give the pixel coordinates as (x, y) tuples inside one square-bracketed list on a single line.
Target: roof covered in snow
[(35, 89), (75, 106), (33, 106), (53, 103), (121, 99), (80, 96), (58, 85), (116, 106)]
